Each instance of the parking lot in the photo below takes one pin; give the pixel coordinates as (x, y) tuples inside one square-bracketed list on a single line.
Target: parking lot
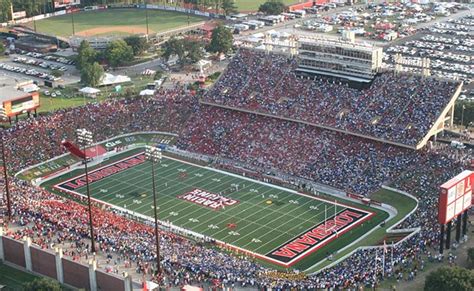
[(448, 45), (40, 67)]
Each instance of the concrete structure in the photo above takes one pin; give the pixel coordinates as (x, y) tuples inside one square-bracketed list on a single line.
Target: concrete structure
[(343, 59), (26, 256)]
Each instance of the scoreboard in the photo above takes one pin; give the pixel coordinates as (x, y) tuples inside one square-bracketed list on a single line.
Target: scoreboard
[(18, 103), (455, 196)]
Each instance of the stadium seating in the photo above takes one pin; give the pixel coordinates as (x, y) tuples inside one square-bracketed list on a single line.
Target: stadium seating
[(397, 108), (263, 83)]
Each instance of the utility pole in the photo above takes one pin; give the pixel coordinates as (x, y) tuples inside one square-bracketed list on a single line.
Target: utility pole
[(146, 16), (34, 19), (72, 21)]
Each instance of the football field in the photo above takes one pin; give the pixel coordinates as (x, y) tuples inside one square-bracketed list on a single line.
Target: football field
[(275, 224)]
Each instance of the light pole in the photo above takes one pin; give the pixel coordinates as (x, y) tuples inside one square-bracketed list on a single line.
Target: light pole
[(462, 116), (153, 154), (84, 138), (146, 16), (72, 21)]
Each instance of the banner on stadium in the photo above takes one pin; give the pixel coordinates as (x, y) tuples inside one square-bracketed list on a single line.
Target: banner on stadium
[(64, 3), (73, 149), (18, 14)]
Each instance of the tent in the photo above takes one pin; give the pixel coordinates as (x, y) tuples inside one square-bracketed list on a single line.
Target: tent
[(89, 91), (147, 92), (109, 79), (202, 64)]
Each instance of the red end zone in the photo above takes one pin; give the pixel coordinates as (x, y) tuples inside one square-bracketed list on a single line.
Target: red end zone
[(101, 173), (313, 239)]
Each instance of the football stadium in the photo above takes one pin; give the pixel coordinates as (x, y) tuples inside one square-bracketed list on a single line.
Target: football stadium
[(305, 165)]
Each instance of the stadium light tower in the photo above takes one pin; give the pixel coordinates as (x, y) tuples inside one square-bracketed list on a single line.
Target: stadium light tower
[(84, 138), (153, 154)]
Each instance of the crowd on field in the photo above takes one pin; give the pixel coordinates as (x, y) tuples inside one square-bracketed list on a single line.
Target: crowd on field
[(347, 162), (396, 107)]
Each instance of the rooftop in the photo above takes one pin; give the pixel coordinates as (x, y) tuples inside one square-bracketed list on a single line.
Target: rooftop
[(8, 89), (9, 93)]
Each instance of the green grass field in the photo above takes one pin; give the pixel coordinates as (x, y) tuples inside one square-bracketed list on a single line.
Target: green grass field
[(13, 278), (158, 21), (250, 6), (264, 219)]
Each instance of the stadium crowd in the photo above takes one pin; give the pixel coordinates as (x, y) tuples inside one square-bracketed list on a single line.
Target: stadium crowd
[(35, 140), (398, 108), (339, 160)]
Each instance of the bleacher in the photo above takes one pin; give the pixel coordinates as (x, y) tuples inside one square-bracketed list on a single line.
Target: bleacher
[(401, 109)]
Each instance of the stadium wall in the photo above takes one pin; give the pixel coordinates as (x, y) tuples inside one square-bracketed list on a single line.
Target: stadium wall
[(28, 257)]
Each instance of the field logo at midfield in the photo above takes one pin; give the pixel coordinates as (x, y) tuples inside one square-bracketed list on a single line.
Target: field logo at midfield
[(103, 172), (207, 199), (318, 236)]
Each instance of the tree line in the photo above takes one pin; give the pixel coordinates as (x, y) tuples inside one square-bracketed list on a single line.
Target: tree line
[(118, 52)]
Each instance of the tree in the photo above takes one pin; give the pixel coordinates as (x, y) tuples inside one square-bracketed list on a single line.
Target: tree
[(57, 73), (92, 74), (272, 7), (221, 40), (5, 10), (118, 52), (468, 116), (42, 284), (194, 51), (450, 278), (86, 55), (470, 257), (138, 44), (158, 75), (2, 48), (187, 50), (172, 47), (229, 7)]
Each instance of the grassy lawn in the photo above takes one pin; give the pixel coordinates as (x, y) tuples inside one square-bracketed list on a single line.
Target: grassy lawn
[(13, 278), (250, 6), (49, 104), (402, 203), (158, 21), (70, 97), (261, 218)]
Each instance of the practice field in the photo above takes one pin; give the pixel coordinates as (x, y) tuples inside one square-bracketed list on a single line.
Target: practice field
[(114, 22), (274, 224)]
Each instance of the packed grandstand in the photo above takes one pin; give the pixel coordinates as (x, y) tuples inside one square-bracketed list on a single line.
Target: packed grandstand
[(399, 108)]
